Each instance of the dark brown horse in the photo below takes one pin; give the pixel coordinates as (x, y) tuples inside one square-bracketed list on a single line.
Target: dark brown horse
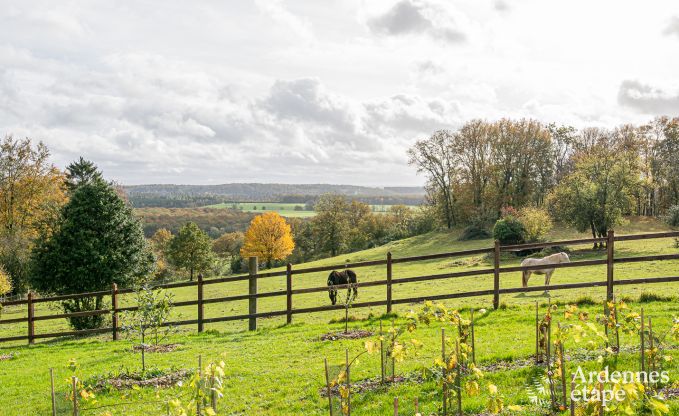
[(344, 277)]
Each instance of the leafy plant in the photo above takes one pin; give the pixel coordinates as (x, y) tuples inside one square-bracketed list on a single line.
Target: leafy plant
[(509, 230), (150, 318), (203, 389), (536, 223)]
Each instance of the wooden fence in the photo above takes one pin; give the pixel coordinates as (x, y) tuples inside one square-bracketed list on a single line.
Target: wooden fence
[(253, 276)]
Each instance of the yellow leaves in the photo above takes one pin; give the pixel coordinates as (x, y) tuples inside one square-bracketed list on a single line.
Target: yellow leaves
[(210, 412), (398, 352), (472, 388), (269, 237), (371, 346), (570, 311), (492, 389)]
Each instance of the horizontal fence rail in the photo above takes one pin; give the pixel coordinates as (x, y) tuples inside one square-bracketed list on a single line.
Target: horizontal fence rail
[(254, 275)]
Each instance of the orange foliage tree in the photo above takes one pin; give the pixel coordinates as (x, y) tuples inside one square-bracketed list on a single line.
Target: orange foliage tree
[(268, 238)]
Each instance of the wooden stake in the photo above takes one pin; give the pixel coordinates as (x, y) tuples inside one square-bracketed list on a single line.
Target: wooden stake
[(472, 334), (458, 381), (395, 406), (643, 354), (114, 310), (444, 372), (572, 390), (383, 356), (54, 401), (417, 405), (288, 288), (537, 333), (617, 327), (327, 386), (200, 375), (650, 345), (496, 275), (564, 389), (74, 380), (348, 382)]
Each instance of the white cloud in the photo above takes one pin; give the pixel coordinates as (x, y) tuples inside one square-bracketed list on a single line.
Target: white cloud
[(292, 91)]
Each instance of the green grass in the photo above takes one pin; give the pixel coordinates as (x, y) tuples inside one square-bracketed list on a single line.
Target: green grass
[(284, 209), (278, 369)]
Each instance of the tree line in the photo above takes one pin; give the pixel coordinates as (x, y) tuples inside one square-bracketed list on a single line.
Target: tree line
[(589, 178)]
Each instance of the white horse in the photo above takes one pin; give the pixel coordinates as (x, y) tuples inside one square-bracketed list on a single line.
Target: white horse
[(545, 261)]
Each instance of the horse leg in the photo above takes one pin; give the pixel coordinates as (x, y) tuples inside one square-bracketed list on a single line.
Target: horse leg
[(548, 277), (524, 278)]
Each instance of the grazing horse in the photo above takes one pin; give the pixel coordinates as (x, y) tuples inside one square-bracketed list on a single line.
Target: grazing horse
[(545, 261), (342, 278)]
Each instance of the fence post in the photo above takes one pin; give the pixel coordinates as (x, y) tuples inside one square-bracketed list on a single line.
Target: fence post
[(31, 315), (288, 284), (389, 282), (200, 302), (496, 275), (114, 310), (609, 265), (253, 269)]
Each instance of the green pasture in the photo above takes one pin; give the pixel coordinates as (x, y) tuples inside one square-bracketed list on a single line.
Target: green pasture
[(291, 210), (277, 370)]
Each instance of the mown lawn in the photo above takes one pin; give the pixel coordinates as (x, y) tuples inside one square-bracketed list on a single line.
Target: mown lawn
[(278, 369)]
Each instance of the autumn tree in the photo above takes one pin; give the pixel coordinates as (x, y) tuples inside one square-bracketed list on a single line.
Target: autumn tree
[(191, 250), (97, 242), (228, 244), (160, 244), (269, 238), (436, 157), (331, 223), (31, 195), (598, 193)]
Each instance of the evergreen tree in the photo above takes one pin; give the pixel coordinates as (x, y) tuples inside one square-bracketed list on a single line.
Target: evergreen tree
[(81, 172), (97, 242)]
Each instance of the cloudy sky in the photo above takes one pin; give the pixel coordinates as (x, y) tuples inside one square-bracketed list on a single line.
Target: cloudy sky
[(308, 91)]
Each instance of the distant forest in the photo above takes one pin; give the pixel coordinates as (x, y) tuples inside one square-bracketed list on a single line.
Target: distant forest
[(193, 196)]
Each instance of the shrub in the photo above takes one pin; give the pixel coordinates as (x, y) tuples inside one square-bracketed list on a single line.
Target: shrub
[(672, 217), (477, 231), (536, 223), (647, 297), (5, 282), (509, 230)]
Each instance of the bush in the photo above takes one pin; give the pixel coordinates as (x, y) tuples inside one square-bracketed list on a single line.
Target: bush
[(509, 230), (536, 223), (475, 231), (5, 282), (672, 217)]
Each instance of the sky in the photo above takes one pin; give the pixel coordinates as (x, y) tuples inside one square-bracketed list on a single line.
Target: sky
[(292, 91)]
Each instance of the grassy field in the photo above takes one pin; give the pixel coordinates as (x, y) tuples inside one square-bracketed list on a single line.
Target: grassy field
[(284, 209), (278, 369)]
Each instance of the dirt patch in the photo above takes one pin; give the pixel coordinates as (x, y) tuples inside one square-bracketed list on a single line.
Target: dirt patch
[(128, 381), (372, 384), (156, 348), (352, 334)]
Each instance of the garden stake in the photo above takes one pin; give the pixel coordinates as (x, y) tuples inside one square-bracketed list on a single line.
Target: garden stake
[(617, 327), (395, 406), (643, 353), (537, 334), (601, 402), (563, 373), (54, 402), (348, 384), (417, 405), (445, 371), (458, 382), (383, 356), (651, 356), (473, 342), (327, 385), (572, 390), (606, 320), (200, 375), (74, 379), (393, 344)]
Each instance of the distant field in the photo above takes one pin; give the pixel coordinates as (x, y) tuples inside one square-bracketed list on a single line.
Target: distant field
[(283, 208)]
